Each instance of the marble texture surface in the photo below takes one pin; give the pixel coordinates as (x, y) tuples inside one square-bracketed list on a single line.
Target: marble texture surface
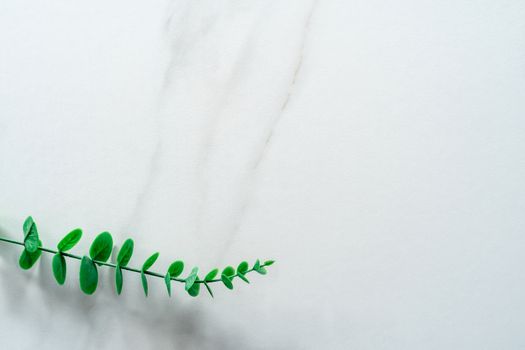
[(374, 149)]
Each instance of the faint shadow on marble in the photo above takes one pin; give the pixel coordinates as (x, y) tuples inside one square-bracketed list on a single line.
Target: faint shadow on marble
[(188, 327)]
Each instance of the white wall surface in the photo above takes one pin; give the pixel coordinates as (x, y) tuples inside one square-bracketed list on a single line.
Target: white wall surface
[(375, 149)]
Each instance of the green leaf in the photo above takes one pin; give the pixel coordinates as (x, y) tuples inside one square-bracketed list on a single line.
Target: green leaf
[(59, 268), (28, 259), (208, 288), (194, 289), (125, 253), (190, 280), (176, 268), (269, 262), (30, 235), (101, 247), (167, 280), (144, 282), (242, 277), (228, 271), (261, 270), (227, 281), (118, 279), (28, 222), (88, 275), (70, 240), (150, 261), (242, 268), (211, 275)]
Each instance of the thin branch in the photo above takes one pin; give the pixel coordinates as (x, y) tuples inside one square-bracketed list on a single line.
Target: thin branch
[(150, 273)]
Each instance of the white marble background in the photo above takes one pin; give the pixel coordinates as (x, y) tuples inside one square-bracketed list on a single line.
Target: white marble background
[(375, 149)]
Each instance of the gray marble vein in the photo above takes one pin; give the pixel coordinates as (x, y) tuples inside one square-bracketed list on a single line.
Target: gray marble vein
[(374, 149)]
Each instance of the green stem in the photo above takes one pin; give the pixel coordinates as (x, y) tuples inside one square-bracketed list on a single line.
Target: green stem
[(155, 274)]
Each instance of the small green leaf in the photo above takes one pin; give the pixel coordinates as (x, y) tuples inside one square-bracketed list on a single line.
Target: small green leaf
[(176, 268), (30, 235), (150, 261), (208, 288), (144, 282), (70, 240), (118, 279), (228, 271), (227, 281), (59, 268), (261, 270), (88, 275), (242, 277), (269, 262), (167, 280), (195, 289), (190, 280), (147, 264), (242, 268), (101, 247), (28, 259), (28, 222), (211, 275), (125, 253)]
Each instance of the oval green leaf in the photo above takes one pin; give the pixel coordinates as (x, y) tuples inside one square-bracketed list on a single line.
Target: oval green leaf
[(227, 281), (269, 262), (194, 289), (118, 279), (150, 261), (70, 240), (176, 268), (211, 275), (261, 270), (59, 268), (101, 247), (28, 259), (30, 235), (228, 271), (28, 222), (125, 253), (190, 280), (144, 282), (242, 268), (88, 275), (167, 280)]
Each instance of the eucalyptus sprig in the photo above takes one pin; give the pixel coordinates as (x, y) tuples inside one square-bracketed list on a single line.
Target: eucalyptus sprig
[(99, 253)]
